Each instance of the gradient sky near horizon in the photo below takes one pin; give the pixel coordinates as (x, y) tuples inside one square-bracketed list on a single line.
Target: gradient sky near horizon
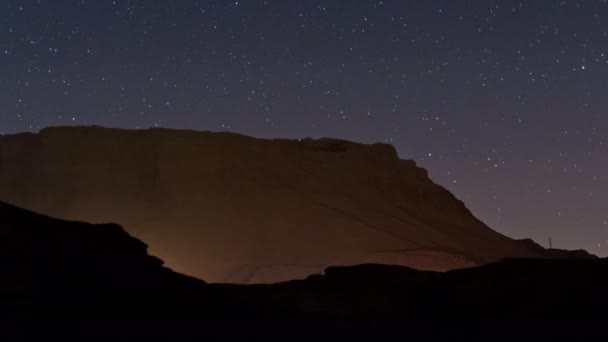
[(504, 102)]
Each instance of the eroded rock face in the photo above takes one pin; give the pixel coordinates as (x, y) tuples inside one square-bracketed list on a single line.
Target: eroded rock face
[(231, 208)]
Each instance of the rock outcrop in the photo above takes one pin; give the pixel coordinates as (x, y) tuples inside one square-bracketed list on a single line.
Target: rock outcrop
[(72, 281), (62, 278), (230, 208)]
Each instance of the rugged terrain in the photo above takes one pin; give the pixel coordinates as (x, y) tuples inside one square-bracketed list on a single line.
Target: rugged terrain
[(72, 281), (231, 208)]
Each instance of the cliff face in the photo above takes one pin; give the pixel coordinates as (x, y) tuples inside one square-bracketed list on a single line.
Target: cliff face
[(230, 208)]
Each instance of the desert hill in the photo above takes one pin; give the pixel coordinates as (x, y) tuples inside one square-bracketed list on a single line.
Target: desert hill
[(73, 281), (230, 208)]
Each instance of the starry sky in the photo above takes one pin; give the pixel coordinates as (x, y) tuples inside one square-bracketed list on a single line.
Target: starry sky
[(504, 102)]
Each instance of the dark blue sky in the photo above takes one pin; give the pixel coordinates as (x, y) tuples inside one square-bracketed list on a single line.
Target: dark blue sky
[(505, 102)]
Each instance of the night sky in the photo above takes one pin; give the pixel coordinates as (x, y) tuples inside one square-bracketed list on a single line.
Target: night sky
[(504, 102)]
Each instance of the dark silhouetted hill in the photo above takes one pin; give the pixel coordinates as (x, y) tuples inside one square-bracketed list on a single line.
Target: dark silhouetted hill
[(72, 281), (230, 208)]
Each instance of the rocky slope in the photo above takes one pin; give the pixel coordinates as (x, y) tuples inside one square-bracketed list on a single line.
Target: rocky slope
[(62, 278), (230, 208), (72, 281)]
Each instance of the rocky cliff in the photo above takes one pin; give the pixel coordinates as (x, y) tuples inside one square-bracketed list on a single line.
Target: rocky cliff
[(231, 208)]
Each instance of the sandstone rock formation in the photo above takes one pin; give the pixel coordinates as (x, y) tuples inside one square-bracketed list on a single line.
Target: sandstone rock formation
[(230, 208)]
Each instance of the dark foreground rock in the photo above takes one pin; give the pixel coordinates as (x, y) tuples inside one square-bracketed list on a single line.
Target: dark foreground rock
[(72, 281)]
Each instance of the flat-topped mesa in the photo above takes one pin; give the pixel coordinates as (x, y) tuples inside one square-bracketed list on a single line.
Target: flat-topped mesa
[(226, 207), (340, 148), (378, 151)]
